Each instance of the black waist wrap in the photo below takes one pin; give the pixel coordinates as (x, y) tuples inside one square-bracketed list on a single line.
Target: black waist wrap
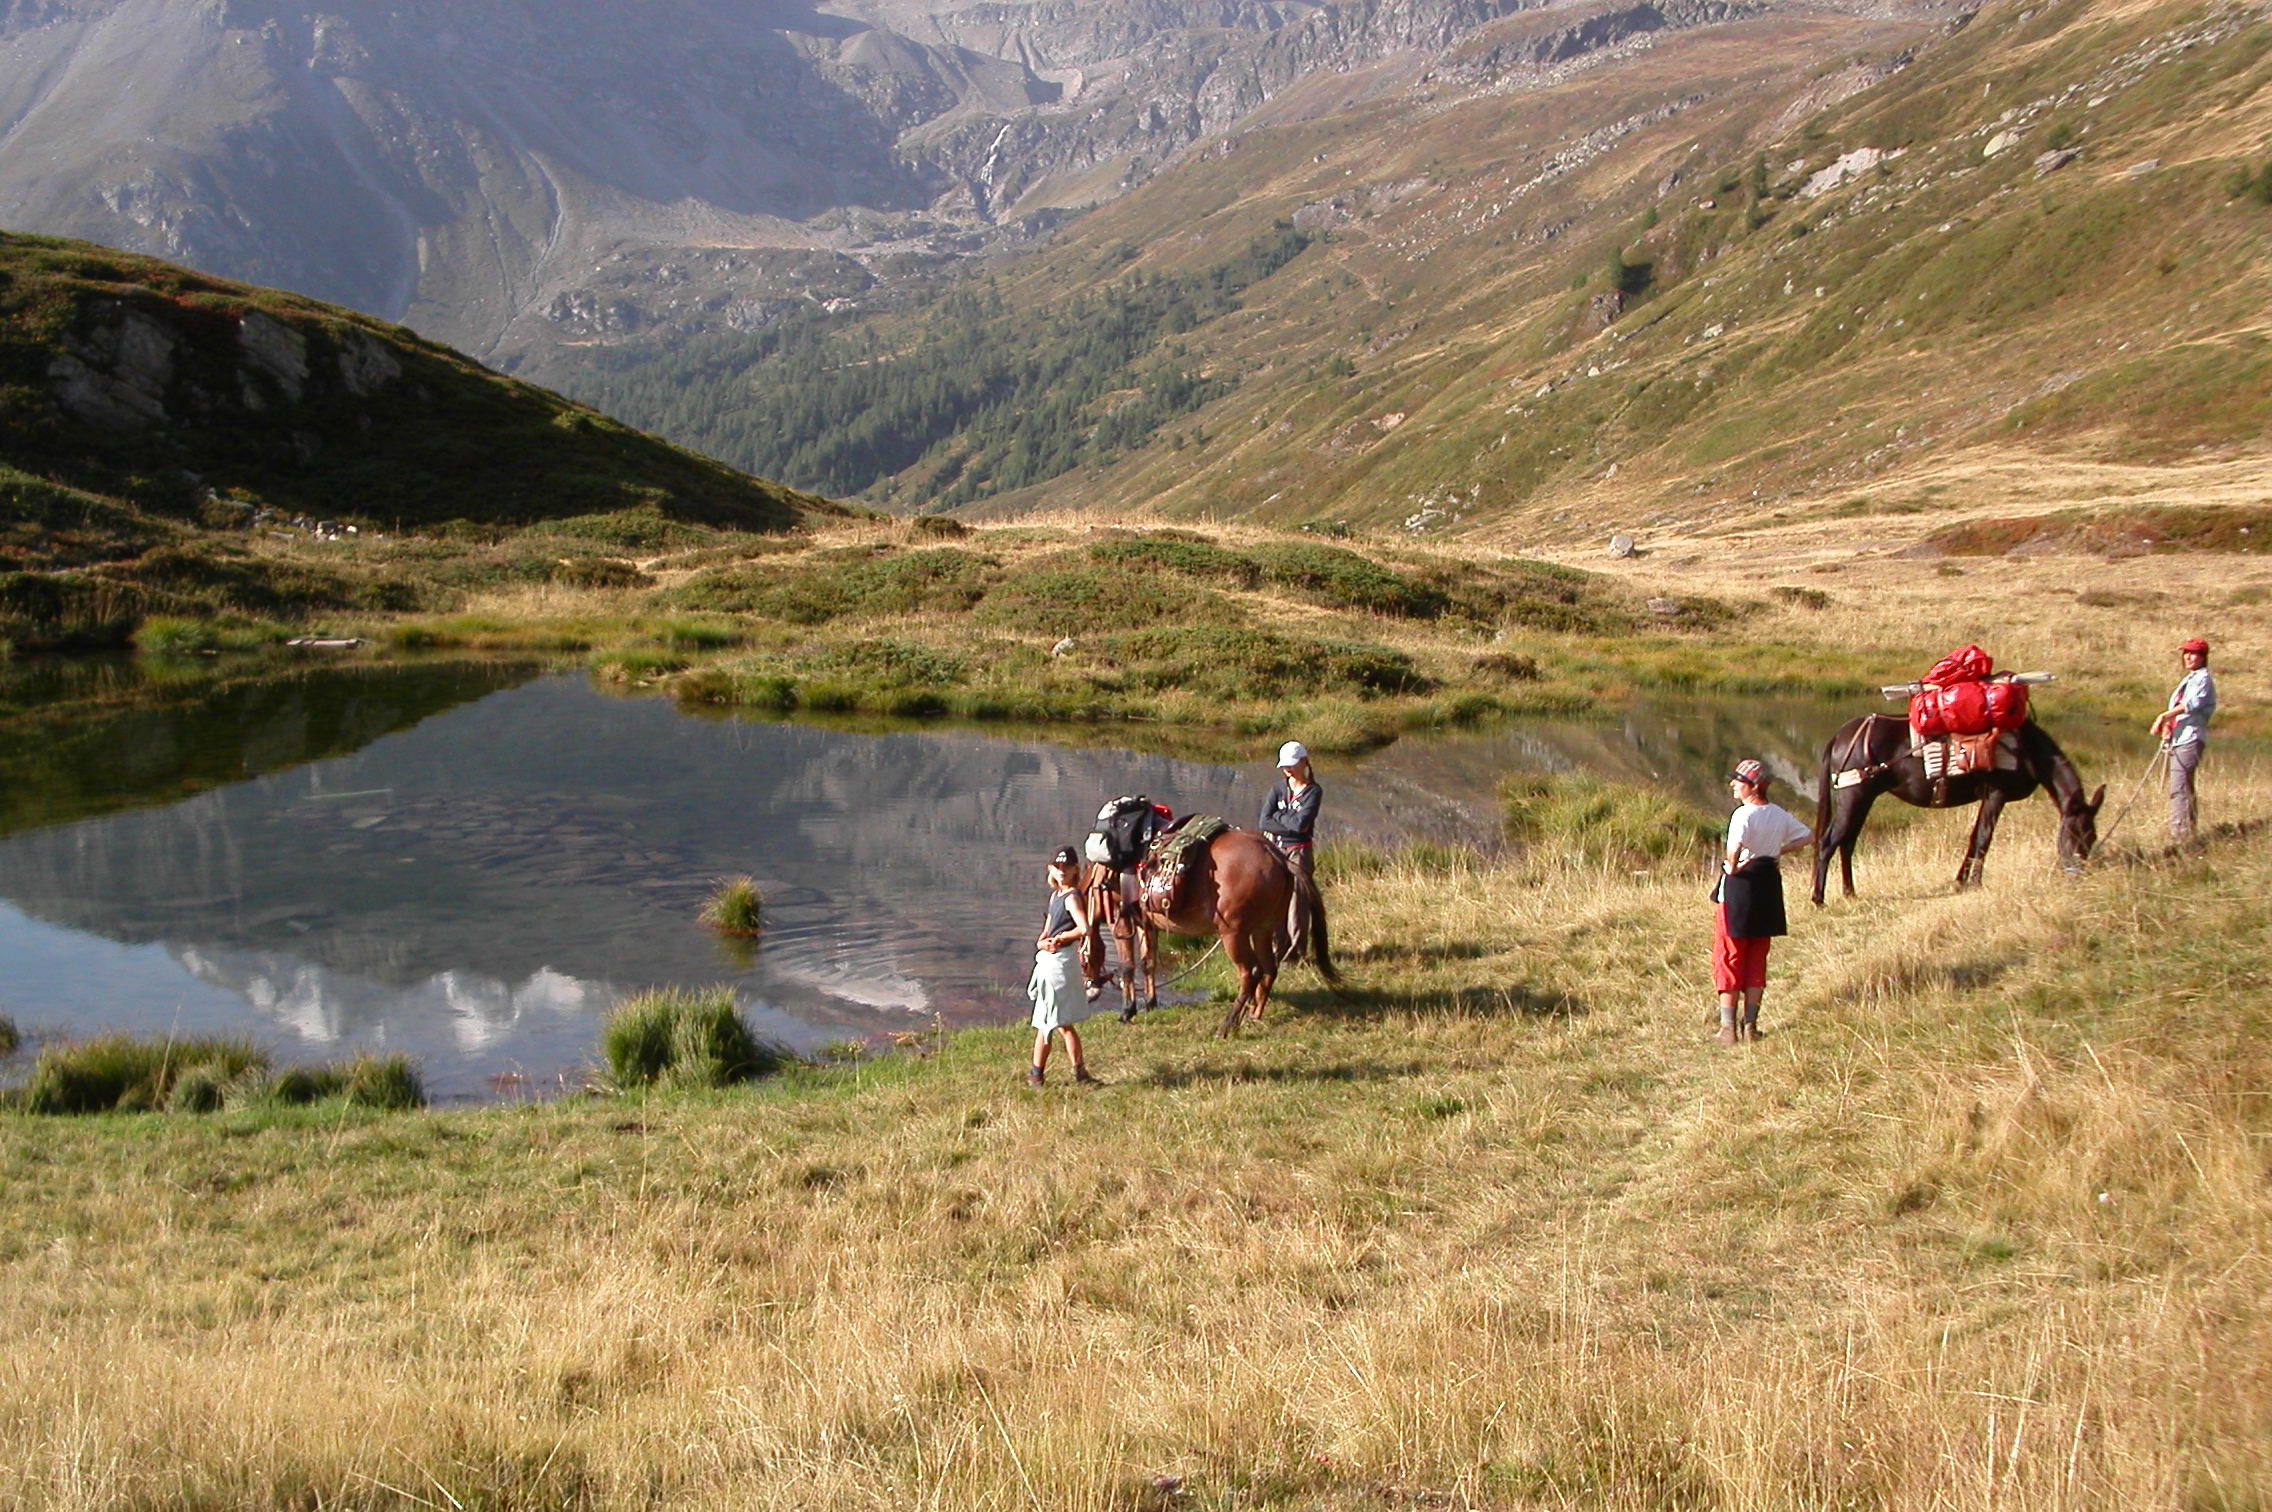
[(1753, 893)]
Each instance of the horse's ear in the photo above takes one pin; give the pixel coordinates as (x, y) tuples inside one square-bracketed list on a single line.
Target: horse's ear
[(2097, 798)]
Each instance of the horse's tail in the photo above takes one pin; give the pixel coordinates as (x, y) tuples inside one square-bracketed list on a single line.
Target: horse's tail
[(1826, 799), (1313, 927), (1825, 788)]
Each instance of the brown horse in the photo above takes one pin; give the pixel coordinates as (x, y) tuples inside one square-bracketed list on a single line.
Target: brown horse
[(1240, 890), (1875, 750)]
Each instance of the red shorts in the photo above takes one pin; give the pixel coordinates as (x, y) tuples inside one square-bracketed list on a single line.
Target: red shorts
[(1737, 965)]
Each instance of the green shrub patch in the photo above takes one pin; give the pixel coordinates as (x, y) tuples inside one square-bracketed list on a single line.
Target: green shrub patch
[(1341, 579), (839, 585), (1061, 597), (1242, 663), (1151, 554)]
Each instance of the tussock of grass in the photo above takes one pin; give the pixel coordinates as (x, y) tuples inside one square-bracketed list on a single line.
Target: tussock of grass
[(171, 635), (676, 1038), (11, 1039), (124, 1074), (735, 907), (387, 1082), (202, 1088)]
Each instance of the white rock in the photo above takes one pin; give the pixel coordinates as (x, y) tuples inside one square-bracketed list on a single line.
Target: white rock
[(1852, 165)]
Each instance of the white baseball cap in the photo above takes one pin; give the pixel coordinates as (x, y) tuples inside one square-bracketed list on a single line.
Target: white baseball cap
[(1293, 753)]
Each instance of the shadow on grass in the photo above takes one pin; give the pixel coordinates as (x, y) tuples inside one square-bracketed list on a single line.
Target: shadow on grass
[(1456, 950), (1223, 1070), (1517, 999), (1929, 976)]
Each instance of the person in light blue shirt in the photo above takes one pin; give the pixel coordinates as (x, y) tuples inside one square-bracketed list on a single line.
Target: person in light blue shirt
[(2184, 728)]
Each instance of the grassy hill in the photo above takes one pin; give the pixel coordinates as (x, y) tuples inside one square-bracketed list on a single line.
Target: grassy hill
[(1780, 258), (156, 426)]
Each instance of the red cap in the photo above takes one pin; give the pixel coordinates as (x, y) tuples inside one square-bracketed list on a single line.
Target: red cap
[(2196, 644), (1752, 772)]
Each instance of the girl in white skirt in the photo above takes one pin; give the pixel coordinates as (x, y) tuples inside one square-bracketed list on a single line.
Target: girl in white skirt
[(1055, 987)]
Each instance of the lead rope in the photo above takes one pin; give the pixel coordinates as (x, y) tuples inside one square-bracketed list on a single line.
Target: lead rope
[(1194, 966), (2161, 755)]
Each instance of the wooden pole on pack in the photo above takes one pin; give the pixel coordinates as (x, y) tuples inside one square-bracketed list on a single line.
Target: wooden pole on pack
[(1912, 689)]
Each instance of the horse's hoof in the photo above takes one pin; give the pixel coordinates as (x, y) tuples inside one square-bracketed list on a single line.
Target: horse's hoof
[(1128, 1015)]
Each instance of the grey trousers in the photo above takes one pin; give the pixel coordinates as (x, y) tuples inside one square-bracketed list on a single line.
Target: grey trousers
[(2184, 813)]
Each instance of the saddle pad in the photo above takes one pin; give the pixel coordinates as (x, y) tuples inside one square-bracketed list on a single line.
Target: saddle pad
[(1164, 869)]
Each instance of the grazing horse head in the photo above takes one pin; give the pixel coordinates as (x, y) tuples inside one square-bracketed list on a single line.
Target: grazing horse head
[(2078, 828)]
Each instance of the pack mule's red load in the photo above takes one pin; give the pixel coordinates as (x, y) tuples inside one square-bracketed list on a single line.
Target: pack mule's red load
[(1963, 696)]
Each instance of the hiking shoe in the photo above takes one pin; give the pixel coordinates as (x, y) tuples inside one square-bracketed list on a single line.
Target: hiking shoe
[(1082, 1078), (1033, 1076), (1728, 1035)]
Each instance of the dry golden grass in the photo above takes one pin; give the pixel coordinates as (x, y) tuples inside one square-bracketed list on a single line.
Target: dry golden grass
[(1982, 1224), (2110, 627)]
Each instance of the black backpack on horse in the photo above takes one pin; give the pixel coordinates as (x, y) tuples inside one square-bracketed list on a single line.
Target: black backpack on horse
[(1125, 828)]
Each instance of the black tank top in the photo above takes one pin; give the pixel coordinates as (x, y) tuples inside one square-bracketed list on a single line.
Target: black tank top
[(1060, 917)]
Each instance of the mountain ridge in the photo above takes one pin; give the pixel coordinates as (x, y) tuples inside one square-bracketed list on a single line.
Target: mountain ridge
[(519, 182), (1740, 266)]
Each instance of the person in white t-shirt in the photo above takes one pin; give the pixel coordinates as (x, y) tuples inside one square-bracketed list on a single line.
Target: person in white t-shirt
[(1750, 898)]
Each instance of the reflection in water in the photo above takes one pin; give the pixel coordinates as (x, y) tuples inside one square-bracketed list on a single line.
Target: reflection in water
[(322, 1007), (480, 885)]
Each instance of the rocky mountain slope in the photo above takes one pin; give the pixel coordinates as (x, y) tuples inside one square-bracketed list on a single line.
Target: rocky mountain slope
[(157, 425), (1778, 259), (523, 181)]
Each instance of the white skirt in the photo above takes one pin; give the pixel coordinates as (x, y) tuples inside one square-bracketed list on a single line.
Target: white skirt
[(1060, 999)]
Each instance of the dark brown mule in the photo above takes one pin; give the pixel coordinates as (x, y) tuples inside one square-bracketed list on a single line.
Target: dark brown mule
[(1240, 890), (1877, 747), (1112, 906)]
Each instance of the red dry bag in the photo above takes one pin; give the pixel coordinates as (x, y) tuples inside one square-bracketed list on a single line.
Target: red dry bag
[(1964, 708), (2007, 705), (1925, 715), (1964, 664)]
